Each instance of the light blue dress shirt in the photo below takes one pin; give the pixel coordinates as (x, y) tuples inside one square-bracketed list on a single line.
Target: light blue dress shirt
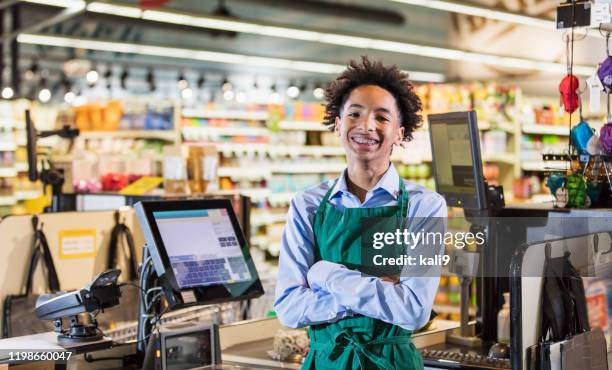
[(310, 293)]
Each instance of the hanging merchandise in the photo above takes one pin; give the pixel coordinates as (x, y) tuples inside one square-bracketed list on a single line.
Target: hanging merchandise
[(605, 136), (555, 181), (576, 191), (569, 92), (605, 73), (584, 139)]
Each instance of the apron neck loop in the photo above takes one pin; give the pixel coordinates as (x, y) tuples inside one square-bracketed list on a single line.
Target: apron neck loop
[(402, 199)]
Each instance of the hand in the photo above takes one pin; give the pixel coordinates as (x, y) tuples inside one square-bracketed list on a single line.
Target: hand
[(395, 279)]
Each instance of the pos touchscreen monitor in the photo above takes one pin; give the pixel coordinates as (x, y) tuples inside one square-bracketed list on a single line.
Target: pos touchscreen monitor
[(457, 165), (198, 251)]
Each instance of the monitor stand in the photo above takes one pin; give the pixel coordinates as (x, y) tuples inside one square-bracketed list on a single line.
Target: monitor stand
[(466, 264)]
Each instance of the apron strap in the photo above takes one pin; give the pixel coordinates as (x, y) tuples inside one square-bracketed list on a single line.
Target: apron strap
[(402, 200), (346, 340), (321, 208)]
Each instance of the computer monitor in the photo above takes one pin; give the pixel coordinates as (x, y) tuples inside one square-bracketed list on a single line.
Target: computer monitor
[(457, 164), (199, 251)]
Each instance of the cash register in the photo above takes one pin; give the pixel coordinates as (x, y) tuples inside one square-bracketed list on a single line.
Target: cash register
[(195, 254), (457, 168)]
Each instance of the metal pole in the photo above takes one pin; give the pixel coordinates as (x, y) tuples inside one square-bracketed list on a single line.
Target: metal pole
[(15, 75)]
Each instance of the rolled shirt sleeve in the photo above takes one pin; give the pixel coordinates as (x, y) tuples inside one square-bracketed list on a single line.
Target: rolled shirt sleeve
[(297, 304)]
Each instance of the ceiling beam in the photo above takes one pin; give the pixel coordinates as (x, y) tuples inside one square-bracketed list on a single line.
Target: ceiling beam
[(327, 37), (201, 55), (63, 15)]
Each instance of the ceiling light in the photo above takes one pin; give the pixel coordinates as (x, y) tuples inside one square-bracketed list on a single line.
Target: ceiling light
[(31, 72), (124, 77), (228, 95), (112, 9), (72, 4), (7, 93), (150, 80), (203, 55), (479, 11), (108, 75), (293, 91), (44, 95), (187, 93), (201, 81), (69, 97), (182, 81), (226, 85), (241, 97), (92, 77), (318, 93)]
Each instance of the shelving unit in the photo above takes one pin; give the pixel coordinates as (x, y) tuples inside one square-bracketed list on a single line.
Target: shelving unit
[(540, 129), (302, 126), (167, 135)]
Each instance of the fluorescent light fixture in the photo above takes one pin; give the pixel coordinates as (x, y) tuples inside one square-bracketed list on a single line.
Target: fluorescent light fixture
[(332, 39), (73, 4), (479, 11), (202, 55), (112, 9)]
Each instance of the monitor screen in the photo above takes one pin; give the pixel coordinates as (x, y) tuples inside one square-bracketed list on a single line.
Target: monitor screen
[(213, 257), (188, 350), (457, 164), (199, 251)]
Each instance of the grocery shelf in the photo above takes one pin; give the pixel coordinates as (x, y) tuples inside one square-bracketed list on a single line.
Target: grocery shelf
[(308, 168), (267, 218), (254, 173), (8, 172), (257, 195), (539, 129), (507, 158), (26, 194), (7, 200), (21, 166), (280, 198), (45, 141), (278, 150), (544, 166), (11, 123), (7, 146), (168, 135), (302, 126), (225, 114), (224, 131), (315, 150), (506, 127)]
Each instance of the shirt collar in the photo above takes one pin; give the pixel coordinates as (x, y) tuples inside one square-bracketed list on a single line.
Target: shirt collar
[(389, 183)]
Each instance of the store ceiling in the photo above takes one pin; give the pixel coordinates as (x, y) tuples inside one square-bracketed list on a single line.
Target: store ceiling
[(382, 19)]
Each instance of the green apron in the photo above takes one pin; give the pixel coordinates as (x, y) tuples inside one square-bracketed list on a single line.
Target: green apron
[(357, 342)]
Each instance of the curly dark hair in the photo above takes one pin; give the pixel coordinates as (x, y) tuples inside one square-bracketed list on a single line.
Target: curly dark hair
[(369, 72)]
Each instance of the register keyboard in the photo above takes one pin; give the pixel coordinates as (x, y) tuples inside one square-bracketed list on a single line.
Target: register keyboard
[(458, 360)]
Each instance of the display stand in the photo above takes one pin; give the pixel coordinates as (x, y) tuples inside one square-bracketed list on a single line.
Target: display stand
[(49, 175)]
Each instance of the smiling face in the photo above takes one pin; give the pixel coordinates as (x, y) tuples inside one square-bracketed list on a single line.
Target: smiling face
[(369, 125)]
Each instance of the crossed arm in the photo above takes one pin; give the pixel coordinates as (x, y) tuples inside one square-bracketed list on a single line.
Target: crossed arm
[(310, 293)]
